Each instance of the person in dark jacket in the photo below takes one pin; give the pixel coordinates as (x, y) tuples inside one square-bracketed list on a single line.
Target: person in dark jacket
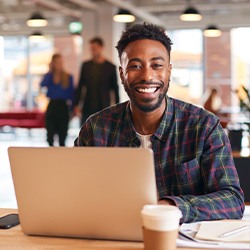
[(97, 83), (60, 91)]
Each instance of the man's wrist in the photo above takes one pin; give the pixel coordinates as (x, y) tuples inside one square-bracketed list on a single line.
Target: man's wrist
[(166, 202)]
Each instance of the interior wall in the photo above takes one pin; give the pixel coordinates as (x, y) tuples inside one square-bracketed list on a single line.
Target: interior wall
[(217, 61), (89, 31), (101, 24), (68, 46)]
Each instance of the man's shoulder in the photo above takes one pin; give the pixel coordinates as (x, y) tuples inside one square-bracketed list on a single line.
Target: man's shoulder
[(110, 114), (109, 64), (87, 62), (190, 110)]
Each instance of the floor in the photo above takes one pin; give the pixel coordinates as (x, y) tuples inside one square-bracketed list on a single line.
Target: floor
[(34, 138)]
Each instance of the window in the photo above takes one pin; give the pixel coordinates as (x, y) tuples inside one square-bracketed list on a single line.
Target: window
[(187, 74), (22, 63), (240, 57)]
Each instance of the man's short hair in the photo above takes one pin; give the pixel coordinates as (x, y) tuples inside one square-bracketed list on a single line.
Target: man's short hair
[(97, 40), (141, 32)]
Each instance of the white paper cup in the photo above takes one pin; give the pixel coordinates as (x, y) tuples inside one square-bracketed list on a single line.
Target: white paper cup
[(161, 217)]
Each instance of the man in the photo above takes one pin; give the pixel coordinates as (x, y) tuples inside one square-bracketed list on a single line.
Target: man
[(98, 80), (193, 161)]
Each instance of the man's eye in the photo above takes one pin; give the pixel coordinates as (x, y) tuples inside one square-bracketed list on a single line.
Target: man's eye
[(134, 67), (156, 66)]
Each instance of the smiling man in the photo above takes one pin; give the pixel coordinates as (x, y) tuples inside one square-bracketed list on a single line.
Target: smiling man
[(193, 160)]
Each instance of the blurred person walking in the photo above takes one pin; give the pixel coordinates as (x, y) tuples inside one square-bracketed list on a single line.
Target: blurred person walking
[(97, 83), (60, 91)]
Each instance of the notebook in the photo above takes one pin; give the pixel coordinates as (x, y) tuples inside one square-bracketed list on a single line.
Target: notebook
[(216, 230)]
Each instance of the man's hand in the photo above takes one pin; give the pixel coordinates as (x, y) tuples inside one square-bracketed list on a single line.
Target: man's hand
[(77, 111), (166, 202)]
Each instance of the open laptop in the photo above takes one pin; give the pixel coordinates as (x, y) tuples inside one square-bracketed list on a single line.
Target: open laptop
[(83, 192)]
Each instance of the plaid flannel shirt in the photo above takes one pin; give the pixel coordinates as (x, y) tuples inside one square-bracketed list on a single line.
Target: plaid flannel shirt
[(193, 159)]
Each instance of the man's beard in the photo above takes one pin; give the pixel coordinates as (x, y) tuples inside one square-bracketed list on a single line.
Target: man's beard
[(147, 107)]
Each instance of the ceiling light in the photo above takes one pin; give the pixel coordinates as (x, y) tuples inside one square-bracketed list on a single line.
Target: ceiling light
[(212, 31), (191, 14), (37, 20), (37, 37), (124, 16), (75, 28)]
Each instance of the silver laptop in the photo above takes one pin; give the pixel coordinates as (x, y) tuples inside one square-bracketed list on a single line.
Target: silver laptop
[(83, 192)]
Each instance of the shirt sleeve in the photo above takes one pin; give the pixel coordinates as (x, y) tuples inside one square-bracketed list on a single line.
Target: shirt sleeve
[(45, 81), (81, 83), (71, 91), (85, 137), (223, 198)]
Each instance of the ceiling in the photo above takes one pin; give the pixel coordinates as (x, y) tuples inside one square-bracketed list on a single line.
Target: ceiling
[(224, 13)]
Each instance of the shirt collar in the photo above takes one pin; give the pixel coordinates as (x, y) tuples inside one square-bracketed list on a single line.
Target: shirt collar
[(130, 130), (164, 127), (162, 130)]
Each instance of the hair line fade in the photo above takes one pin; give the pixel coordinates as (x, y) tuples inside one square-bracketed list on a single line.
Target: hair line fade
[(142, 32)]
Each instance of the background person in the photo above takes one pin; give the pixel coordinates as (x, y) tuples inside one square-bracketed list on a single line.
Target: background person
[(98, 80), (213, 102), (60, 91)]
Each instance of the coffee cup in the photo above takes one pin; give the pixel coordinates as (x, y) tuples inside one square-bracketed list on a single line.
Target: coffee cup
[(160, 226)]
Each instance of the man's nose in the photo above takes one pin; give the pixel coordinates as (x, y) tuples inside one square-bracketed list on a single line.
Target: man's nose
[(147, 74)]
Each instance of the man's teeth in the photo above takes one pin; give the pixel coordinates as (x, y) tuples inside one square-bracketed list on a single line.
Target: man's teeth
[(147, 90)]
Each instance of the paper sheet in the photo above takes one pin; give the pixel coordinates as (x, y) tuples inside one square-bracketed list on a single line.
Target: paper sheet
[(191, 230), (211, 230), (192, 244)]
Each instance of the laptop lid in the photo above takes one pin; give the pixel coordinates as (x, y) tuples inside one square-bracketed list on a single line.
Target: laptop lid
[(83, 192)]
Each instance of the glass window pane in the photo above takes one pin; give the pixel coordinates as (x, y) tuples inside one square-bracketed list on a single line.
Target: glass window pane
[(13, 84), (187, 74), (21, 66), (40, 57), (240, 56)]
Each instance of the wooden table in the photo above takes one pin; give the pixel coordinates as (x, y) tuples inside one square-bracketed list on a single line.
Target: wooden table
[(14, 238)]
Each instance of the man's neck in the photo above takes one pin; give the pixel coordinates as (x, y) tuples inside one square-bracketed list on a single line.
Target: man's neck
[(99, 60), (146, 123)]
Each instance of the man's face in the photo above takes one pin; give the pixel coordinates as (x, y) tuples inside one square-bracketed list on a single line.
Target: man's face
[(96, 50), (145, 72)]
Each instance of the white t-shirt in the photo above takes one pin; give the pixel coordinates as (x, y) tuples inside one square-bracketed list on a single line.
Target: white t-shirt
[(145, 140)]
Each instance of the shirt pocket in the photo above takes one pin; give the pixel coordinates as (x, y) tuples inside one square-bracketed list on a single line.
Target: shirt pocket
[(187, 178)]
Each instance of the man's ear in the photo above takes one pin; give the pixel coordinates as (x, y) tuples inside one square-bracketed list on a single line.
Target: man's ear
[(121, 74), (170, 68)]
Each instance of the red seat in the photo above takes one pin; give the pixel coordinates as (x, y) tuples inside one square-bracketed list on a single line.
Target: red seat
[(23, 119)]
